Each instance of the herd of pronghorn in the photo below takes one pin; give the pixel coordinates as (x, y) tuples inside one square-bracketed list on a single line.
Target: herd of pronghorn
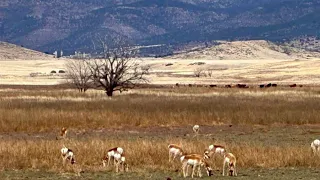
[(117, 156)]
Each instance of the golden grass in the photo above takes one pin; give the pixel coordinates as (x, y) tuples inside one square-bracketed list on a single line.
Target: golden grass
[(30, 111), (49, 110), (143, 155)]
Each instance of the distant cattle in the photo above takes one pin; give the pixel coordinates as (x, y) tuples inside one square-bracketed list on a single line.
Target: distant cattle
[(268, 85), (242, 86), (177, 84), (293, 85), (274, 85), (300, 86), (190, 85), (212, 85), (227, 86), (261, 85)]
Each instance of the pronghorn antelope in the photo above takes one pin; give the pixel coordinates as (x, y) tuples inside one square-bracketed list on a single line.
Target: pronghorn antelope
[(315, 146), (197, 161), (67, 154), (62, 134), (110, 155), (231, 161), (120, 160), (174, 152), (196, 129), (216, 149)]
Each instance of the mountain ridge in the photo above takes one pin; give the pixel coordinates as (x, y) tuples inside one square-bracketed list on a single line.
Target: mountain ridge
[(73, 25)]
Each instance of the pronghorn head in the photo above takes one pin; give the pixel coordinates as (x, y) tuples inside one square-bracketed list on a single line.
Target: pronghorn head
[(208, 169), (196, 128), (63, 131), (207, 154), (231, 169)]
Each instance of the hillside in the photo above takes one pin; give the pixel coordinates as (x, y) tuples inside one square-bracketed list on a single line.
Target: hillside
[(70, 25), (13, 52), (246, 50)]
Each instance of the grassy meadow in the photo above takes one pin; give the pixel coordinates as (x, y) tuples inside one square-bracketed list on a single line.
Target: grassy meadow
[(269, 130)]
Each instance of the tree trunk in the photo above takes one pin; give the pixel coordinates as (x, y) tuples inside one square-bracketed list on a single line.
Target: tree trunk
[(109, 92)]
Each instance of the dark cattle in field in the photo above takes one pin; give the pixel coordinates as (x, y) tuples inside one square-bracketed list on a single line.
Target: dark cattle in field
[(177, 84), (227, 86), (300, 86), (268, 85), (293, 85), (242, 86), (274, 85), (190, 85), (261, 85), (212, 85)]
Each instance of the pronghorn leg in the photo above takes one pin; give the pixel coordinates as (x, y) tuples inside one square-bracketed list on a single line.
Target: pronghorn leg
[(64, 159), (174, 157), (114, 161), (199, 171), (187, 170), (117, 166), (193, 170), (313, 148), (223, 167), (108, 161), (169, 156), (235, 170), (184, 170)]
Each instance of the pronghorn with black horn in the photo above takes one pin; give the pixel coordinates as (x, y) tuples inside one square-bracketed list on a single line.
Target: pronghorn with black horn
[(120, 160), (229, 160), (62, 134), (196, 129), (174, 152), (215, 149), (110, 155), (196, 161), (67, 154)]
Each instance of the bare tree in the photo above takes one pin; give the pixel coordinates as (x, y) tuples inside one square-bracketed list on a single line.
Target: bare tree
[(198, 72), (117, 70), (79, 74)]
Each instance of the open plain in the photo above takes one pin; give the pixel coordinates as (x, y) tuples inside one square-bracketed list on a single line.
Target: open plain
[(268, 129)]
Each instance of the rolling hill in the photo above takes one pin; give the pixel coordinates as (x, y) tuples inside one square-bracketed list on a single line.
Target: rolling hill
[(14, 52)]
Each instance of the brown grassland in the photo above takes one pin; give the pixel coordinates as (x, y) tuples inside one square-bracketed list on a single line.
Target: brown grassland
[(269, 130)]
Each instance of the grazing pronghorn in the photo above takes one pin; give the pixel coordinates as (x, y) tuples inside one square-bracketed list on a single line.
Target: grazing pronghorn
[(197, 161), (216, 149), (62, 134), (174, 151), (315, 146), (196, 129), (110, 155), (231, 161), (67, 154), (120, 160)]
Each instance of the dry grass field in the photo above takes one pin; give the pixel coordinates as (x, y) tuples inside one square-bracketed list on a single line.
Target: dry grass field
[(269, 130), (181, 71)]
